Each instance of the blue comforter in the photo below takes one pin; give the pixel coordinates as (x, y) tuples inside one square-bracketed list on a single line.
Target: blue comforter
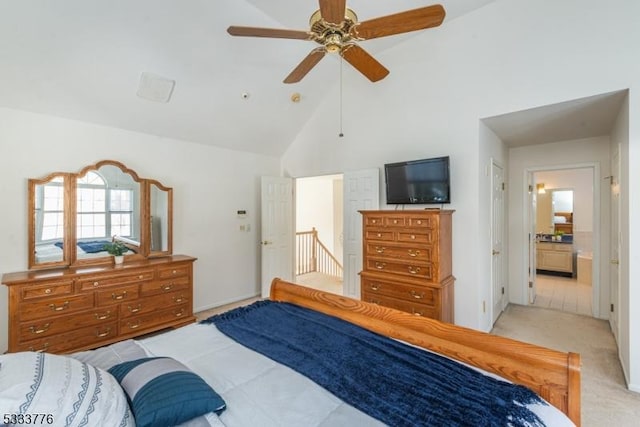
[(398, 384)]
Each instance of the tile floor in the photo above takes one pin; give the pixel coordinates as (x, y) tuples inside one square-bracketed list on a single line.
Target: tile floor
[(563, 293)]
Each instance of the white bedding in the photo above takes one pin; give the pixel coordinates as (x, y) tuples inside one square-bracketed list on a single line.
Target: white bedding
[(259, 391)]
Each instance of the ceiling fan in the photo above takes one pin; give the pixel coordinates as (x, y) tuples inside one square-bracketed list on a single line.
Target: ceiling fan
[(336, 28)]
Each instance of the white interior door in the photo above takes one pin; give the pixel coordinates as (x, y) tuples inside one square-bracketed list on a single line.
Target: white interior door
[(615, 242), (531, 269), (497, 240), (361, 192), (277, 240)]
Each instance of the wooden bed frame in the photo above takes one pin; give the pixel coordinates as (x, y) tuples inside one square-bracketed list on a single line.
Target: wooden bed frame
[(552, 374)]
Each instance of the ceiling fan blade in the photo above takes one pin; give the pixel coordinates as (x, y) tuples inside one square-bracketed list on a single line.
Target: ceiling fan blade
[(364, 62), (306, 65), (333, 11), (267, 32), (403, 22)]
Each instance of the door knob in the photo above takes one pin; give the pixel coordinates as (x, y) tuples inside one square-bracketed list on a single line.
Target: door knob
[(266, 242), (494, 252)]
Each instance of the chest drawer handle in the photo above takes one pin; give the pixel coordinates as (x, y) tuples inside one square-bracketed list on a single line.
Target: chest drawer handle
[(373, 221), (174, 271), (380, 265), (115, 296), (413, 253), (413, 237), (132, 309), (179, 313), (44, 348), (102, 316), (96, 283), (134, 325), (141, 276), (64, 306), (178, 299), (413, 270), (167, 287), (379, 234), (380, 249), (44, 328), (416, 313), (103, 334), (375, 286), (419, 222), (417, 295), (47, 291)]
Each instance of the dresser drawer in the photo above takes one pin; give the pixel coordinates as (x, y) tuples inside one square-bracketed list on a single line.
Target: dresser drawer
[(48, 289), (379, 235), (416, 294), (164, 286), (374, 220), (154, 303), (424, 271), (149, 320), (124, 279), (415, 236), (406, 306), (175, 271), (90, 336), (424, 254), (60, 324), (395, 220), (422, 222), (115, 296), (55, 306)]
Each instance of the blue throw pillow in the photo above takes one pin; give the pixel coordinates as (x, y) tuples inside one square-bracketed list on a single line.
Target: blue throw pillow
[(164, 392)]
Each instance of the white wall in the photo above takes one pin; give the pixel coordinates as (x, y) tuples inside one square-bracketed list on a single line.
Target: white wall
[(210, 185), (510, 55)]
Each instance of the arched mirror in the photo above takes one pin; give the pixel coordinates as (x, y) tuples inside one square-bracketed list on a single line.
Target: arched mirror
[(108, 208), (160, 233), (73, 216)]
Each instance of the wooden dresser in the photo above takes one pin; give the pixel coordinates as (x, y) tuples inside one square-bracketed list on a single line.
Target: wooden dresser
[(407, 261), (72, 309)]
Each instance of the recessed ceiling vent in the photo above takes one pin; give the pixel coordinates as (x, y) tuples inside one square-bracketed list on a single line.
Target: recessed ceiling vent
[(155, 88)]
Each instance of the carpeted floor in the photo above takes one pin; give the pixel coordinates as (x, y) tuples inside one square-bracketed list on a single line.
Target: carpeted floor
[(605, 398)]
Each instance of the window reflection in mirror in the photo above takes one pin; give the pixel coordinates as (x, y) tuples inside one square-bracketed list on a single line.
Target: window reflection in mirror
[(160, 218), (48, 220), (108, 207)]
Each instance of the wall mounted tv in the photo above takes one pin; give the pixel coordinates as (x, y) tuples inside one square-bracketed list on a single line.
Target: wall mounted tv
[(423, 181)]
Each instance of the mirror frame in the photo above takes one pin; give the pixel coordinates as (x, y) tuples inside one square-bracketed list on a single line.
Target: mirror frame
[(70, 258)]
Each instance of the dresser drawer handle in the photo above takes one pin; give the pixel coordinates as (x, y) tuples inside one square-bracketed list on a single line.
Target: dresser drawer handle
[(413, 270), (174, 271), (395, 221), (44, 348), (167, 287), (373, 221), (380, 265), (380, 249), (64, 306), (96, 283), (178, 299), (132, 309), (416, 313), (413, 237), (103, 334), (47, 291), (417, 295), (102, 316), (379, 234), (413, 253), (375, 286), (115, 296), (44, 328), (179, 313), (419, 222), (141, 276), (134, 325)]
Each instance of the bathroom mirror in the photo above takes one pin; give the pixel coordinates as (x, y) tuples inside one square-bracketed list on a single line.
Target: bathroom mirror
[(554, 211), (73, 215)]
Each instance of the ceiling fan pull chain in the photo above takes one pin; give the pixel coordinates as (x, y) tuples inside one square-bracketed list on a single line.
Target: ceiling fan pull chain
[(341, 62)]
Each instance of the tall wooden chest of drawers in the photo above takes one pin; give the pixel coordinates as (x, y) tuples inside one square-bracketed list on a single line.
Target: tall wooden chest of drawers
[(72, 309), (407, 261)]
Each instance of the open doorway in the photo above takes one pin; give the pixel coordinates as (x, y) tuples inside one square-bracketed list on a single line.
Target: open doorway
[(565, 218), (319, 232)]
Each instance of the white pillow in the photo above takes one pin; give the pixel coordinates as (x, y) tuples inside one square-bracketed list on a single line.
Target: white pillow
[(559, 220), (67, 391)]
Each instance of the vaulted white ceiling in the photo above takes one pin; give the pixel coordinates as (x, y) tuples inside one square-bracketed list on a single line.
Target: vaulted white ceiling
[(82, 59)]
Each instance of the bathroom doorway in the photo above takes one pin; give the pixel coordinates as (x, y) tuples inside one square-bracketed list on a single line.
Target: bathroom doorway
[(566, 228)]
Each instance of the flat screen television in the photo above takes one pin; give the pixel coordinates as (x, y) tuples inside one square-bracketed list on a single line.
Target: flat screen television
[(423, 181)]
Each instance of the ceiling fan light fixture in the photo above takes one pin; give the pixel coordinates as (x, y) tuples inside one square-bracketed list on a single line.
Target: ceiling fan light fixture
[(333, 42)]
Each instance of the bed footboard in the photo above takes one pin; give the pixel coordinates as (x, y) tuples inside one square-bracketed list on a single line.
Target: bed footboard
[(552, 374)]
